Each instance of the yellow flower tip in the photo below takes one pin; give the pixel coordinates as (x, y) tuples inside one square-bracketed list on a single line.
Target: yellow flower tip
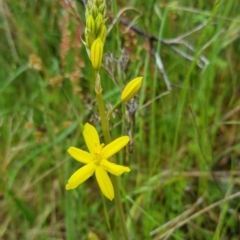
[(127, 139), (92, 236), (96, 53), (104, 183), (109, 196), (69, 149), (69, 186), (88, 125), (131, 89)]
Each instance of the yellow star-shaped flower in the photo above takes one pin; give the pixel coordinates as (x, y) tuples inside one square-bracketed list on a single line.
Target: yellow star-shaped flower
[(96, 161)]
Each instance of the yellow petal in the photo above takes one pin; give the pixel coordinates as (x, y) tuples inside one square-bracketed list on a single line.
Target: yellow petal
[(91, 137), (104, 183), (114, 168), (114, 146), (80, 155), (80, 176)]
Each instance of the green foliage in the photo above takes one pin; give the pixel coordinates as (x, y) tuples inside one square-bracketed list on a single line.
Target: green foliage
[(186, 150)]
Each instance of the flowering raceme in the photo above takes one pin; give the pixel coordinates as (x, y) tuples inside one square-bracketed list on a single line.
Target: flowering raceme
[(96, 161)]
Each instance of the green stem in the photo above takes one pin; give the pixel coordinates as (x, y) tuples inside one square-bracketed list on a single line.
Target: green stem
[(112, 110), (107, 137), (119, 207), (103, 118)]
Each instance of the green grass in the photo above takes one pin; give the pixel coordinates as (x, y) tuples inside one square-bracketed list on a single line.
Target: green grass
[(185, 161)]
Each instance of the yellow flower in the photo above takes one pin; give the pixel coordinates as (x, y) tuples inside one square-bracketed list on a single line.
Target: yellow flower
[(96, 161), (131, 89)]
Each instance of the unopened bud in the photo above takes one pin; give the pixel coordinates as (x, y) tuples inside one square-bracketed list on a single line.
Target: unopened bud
[(92, 236), (102, 8), (88, 9), (131, 89), (99, 2), (99, 23), (90, 24), (102, 34), (96, 53), (94, 11)]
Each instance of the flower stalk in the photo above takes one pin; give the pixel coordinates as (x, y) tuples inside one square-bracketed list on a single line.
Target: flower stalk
[(107, 139), (99, 160)]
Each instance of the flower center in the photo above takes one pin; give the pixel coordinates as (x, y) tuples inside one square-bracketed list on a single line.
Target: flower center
[(98, 153)]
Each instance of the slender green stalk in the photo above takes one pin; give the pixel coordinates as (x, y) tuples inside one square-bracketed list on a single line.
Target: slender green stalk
[(112, 110), (119, 207), (107, 137), (102, 113)]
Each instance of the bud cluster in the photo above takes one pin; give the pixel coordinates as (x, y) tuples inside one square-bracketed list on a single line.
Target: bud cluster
[(95, 31), (95, 22), (95, 34)]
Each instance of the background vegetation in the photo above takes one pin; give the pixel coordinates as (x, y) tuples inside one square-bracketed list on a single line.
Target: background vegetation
[(185, 154)]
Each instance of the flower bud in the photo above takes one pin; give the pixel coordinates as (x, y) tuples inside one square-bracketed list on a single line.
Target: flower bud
[(99, 2), (131, 89), (90, 24), (102, 8), (92, 236), (88, 10), (96, 53), (102, 34), (94, 11), (99, 23)]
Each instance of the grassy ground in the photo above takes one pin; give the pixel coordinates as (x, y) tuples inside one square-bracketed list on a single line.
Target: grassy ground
[(185, 155)]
